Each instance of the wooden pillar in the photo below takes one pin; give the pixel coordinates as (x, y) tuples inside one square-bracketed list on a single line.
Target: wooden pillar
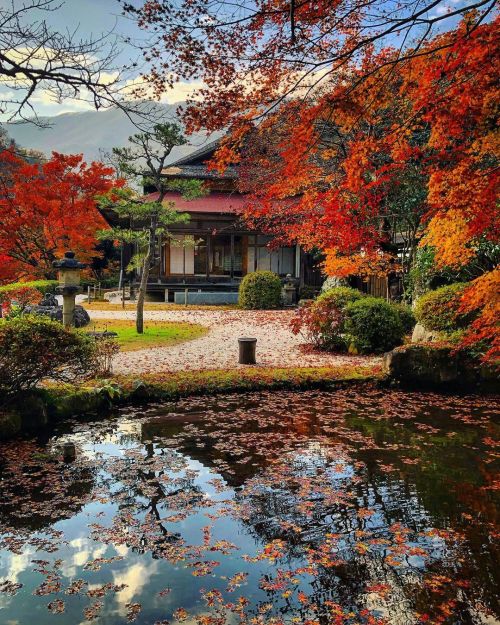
[(232, 257), (298, 263), (209, 250), (244, 255)]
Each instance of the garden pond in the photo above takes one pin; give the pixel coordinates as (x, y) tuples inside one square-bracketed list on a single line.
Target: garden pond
[(353, 506)]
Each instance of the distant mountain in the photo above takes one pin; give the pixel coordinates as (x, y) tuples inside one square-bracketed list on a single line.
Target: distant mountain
[(92, 131)]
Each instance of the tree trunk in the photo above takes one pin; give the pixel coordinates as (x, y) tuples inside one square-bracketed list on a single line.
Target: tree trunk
[(139, 321)]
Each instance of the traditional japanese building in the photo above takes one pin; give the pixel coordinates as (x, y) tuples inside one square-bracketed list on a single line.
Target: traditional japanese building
[(215, 249)]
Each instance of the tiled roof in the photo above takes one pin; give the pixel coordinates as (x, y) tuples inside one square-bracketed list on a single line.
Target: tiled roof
[(204, 152), (220, 203)]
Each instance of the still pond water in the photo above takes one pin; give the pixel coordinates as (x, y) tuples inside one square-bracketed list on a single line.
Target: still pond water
[(313, 508)]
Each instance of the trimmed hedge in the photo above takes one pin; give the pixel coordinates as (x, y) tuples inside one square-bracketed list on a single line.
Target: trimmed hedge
[(374, 325), (44, 286), (438, 310), (260, 290)]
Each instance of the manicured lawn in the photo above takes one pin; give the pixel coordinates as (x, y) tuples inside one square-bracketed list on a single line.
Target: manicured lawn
[(156, 333), (154, 306)]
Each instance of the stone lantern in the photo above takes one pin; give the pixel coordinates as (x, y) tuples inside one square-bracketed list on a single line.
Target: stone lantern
[(69, 285), (289, 291)]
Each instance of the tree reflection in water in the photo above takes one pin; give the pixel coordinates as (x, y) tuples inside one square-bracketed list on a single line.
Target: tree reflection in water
[(319, 507)]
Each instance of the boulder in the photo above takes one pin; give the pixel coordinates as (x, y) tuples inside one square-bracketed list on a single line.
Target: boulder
[(421, 364), (439, 367), (422, 335), (56, 313), (115, 297), (332, 282), (33, 412), (49, 300)]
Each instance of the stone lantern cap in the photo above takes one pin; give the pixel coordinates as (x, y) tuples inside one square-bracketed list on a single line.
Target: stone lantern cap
[(68, 262)]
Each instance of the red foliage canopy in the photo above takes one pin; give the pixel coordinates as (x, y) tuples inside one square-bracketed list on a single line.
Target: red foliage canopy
[(47, 208)]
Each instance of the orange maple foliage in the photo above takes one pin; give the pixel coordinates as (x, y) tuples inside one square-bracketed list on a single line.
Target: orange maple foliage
[(47, 208), (484, 293), (353, 157)]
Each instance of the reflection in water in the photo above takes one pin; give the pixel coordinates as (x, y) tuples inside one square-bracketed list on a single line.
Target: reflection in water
[(317, 508)]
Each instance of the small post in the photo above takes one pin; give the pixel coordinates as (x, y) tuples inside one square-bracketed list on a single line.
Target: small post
[(89, 299), (166, 296), (247, 350), (95, 291), (186, 297), (69, 452)]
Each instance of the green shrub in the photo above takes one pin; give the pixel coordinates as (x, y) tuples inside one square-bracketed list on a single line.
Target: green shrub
[(341, 296), (374, 326), (44, 286), (323, 321), (35, 348), (307, 292), (260, 290), (407, 317), (438, 310)]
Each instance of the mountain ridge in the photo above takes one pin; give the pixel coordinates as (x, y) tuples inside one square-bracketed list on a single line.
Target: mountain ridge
[(92, 132)]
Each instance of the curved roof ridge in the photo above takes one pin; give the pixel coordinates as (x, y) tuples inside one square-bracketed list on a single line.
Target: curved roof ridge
[(205, 150)]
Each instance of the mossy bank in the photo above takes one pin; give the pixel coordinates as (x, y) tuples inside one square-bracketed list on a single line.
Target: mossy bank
[(35, 409)]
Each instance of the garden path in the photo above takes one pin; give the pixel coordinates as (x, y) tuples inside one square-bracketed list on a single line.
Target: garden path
[(218, 349)]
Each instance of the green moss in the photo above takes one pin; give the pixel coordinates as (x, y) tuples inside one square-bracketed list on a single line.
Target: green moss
[(170, 386), (64, 401), (68, 402)]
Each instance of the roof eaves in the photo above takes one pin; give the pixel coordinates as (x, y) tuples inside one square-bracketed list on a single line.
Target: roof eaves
[(205, 150)]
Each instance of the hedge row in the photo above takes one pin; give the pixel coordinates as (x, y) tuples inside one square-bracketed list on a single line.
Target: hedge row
[(44, 286)]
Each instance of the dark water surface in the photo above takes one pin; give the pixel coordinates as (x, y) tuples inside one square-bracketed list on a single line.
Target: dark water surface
[(356, 506)]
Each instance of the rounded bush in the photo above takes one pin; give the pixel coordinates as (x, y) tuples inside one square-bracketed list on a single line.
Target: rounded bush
[(407, 317), (323, 321), (438, 310), (340, 296), (374, 325), (260, 290), (34, 348)]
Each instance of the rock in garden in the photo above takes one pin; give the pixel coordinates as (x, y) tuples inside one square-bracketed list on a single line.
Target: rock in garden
[(56, 313)]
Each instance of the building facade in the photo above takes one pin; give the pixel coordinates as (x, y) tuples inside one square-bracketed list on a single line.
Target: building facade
[(214, 250)]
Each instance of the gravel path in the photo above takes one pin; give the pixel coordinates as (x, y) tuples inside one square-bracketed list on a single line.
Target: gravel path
[(218, 349)]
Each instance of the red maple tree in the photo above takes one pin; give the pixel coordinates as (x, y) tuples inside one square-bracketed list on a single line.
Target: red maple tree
[(47, 208)]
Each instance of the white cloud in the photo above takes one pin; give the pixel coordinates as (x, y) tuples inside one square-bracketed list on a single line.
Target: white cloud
[(135, 577), (178, 93)]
